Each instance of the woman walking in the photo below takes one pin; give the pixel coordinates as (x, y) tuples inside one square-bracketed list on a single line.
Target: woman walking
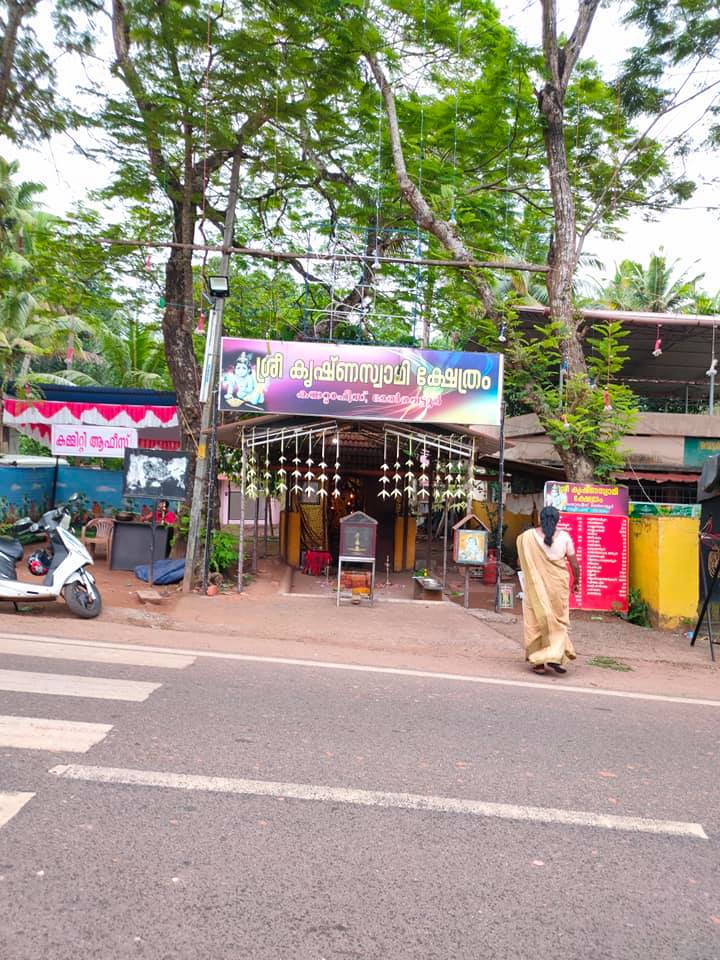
[(544, 554)]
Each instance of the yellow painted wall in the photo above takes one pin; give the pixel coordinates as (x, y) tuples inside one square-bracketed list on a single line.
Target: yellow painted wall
[(398, 564), (291, 551), (664, 567), (515, 523)]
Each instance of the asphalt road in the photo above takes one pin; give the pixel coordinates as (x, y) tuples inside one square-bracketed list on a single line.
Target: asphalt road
[(109, 870)]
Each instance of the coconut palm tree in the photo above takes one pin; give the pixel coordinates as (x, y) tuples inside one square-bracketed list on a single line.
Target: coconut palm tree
[(658, 288), (130, 354)]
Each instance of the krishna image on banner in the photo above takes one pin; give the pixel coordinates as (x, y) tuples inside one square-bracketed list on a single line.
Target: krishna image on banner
[(239, 385)]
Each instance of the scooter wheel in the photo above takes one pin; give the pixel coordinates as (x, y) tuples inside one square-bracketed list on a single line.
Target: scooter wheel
[(84, 602)]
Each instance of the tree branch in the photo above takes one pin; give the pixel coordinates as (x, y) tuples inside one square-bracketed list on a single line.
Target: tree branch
[(424, 214)]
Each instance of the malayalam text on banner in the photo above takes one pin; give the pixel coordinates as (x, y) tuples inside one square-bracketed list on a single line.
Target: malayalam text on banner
[(601, 546), (604, 499), (372, 383), (92, 441)]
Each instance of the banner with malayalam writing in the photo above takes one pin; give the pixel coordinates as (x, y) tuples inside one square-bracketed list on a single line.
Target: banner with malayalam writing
[(90, 441), (358, 382), (601, 547), (587, 498)]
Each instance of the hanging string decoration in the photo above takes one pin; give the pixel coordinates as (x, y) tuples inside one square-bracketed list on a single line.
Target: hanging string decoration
[(657, 349), (449, 478), (322, 478), (409, 475), (397, 477), (424, 479), (309, 475), (296, 474), (336, 475), (252, 472), (282, 472), (266, 471), (384, 479), (460, 487), (712, 369), (437, 482)]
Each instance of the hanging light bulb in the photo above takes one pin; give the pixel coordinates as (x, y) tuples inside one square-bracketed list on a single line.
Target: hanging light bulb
[(712, 370), (502, 336), (657, 350), (200, 328)]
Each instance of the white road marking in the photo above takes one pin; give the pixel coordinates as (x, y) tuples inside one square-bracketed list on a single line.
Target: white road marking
[(19, 645), (374, 798), (39, 733), (538, 686), (11, 803), (65, 685)]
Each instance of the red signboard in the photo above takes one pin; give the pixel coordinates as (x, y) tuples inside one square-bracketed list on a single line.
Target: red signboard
[(601, 545)]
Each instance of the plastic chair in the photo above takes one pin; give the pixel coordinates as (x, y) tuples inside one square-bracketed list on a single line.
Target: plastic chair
[(103, 528)]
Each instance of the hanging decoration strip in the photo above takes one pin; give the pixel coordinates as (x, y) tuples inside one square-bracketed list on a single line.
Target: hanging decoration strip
[(437, 482), (252, 474), (309, 475), (384, 479), (397, 478), (336, 475), (282, 472), (424, 479), (322, 479), (296, 474), (266, 473), (409, 475)]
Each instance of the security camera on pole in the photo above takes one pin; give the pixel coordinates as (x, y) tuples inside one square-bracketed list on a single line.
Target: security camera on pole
[(218, 289)]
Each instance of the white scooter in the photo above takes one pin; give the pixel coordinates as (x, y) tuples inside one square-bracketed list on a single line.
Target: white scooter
[(65, 566)]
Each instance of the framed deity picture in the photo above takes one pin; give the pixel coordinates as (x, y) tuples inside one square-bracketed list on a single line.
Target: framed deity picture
[(470, 546)]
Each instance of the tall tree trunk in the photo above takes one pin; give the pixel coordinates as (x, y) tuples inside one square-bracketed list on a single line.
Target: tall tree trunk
[(562, 257), (178, 325)]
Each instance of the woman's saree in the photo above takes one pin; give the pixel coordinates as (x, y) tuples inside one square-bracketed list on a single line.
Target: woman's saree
[(546, 613)]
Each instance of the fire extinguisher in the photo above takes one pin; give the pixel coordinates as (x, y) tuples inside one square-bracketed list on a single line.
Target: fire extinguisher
[(491, 567)]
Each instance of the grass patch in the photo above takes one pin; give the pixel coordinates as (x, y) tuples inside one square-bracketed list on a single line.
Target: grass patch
[(609, 663)]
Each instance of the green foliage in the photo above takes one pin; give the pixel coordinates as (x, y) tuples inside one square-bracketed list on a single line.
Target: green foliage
[(29, 446), (609, 663), (657, 288), (638, 610), (224, 551)]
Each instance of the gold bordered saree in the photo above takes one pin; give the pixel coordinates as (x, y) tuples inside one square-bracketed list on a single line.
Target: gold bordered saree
[(546, 611)]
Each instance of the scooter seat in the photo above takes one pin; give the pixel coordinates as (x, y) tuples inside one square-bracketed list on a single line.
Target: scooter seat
[(12, 549)]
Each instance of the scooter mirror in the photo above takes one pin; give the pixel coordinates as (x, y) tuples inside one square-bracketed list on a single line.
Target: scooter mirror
[(73, 498)]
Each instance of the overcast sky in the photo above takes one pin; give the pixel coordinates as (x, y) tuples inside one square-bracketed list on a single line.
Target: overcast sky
[(689, 234)]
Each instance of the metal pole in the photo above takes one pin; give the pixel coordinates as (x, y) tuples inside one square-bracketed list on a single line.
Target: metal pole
[(445, 532), (201, 465), (210, 498), (55, 481), (255, 536), (711, 402), (241, 540), (153, 528), (501, 485)]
